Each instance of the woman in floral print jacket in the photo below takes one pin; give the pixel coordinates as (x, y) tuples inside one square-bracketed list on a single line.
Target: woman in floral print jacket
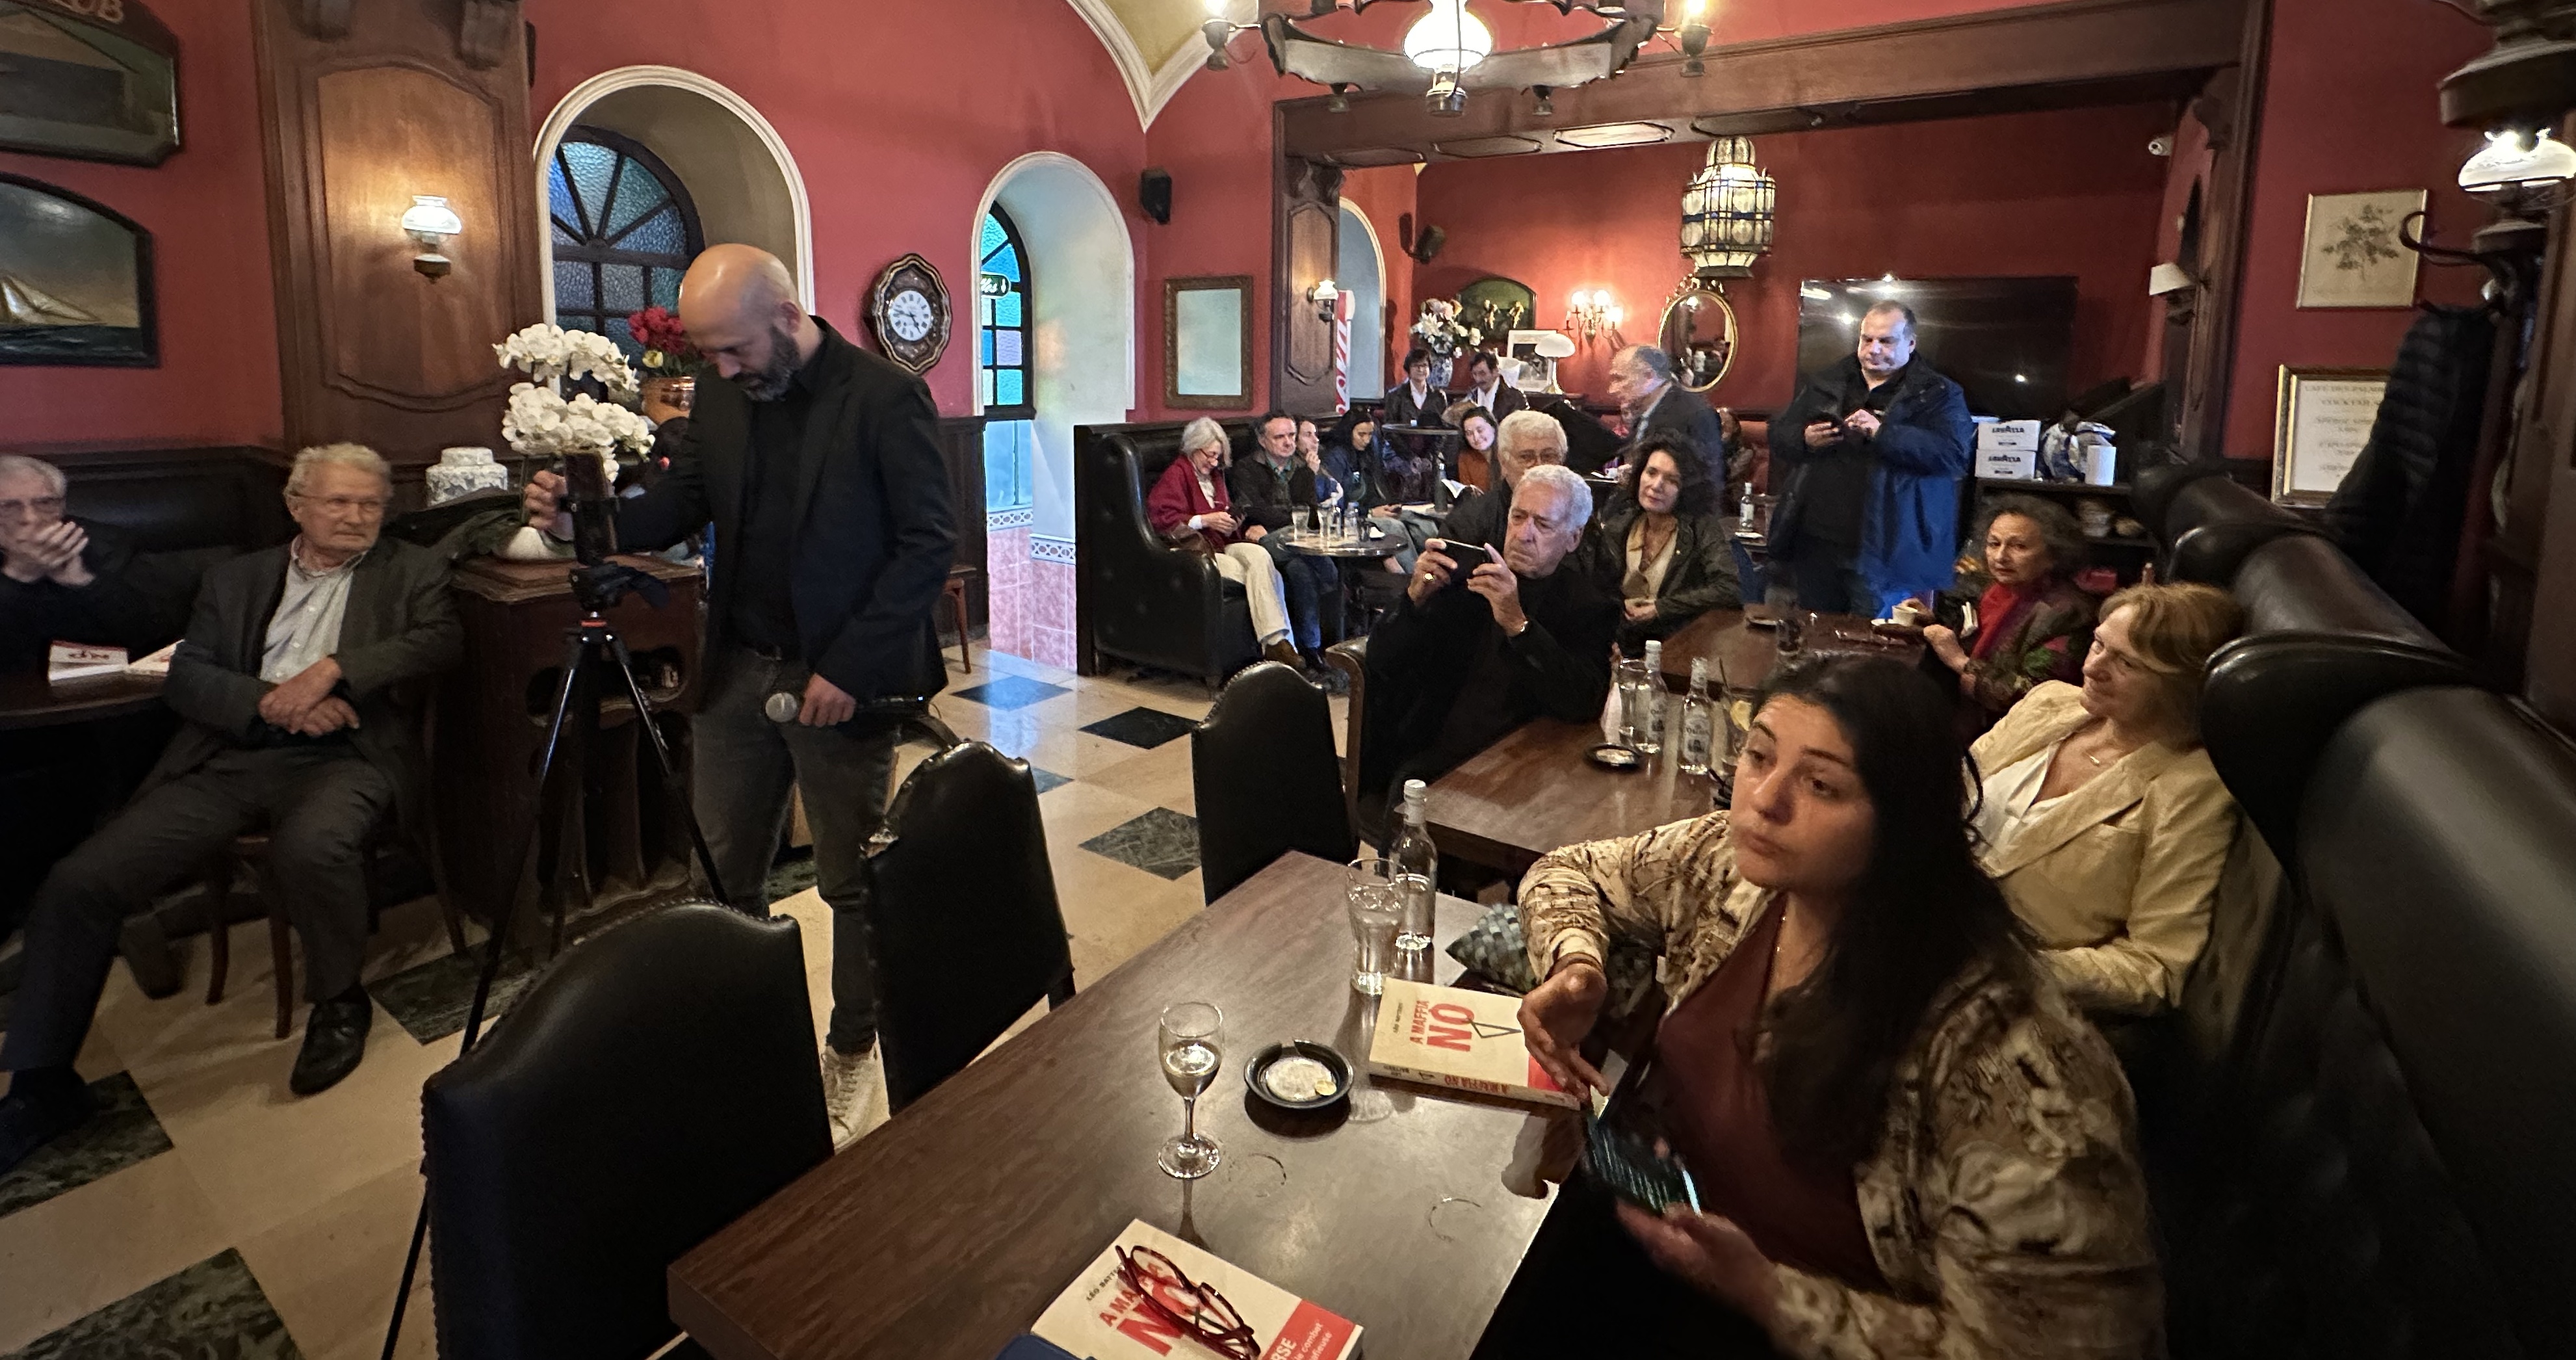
[(1907, 1141)]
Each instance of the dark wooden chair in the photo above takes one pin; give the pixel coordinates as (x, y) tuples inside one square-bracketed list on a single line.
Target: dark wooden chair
[(1351, 659), (963, 914), (954, 593), (1262, 768), (653, 1086), (250, 851)]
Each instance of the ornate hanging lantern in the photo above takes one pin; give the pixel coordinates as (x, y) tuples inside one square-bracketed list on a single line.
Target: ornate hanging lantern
[(1726, 212)]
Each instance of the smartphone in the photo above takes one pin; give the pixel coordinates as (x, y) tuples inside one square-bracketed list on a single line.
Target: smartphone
[(1468, 556), (1633, 1170)]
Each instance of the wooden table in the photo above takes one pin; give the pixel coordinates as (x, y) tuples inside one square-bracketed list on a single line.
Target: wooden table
[(27, 699), (1743, 656), (1535, 791), (947, 1231)]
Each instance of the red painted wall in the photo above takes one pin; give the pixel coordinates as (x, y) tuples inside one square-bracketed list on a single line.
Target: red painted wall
[(208, 215), (1385, 195), (1215, 139), (2349, 104), (2025, 194)]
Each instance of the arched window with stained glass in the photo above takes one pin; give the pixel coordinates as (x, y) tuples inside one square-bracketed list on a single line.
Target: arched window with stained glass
[(1002, 314), (624, 231)]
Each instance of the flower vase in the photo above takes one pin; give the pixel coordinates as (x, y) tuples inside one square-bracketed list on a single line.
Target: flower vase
[(1440, 371)]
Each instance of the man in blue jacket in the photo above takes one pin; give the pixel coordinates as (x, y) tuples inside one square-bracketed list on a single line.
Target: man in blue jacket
[(1869, 457)]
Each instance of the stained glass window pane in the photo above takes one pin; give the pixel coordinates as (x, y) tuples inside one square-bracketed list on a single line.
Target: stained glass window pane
[(562, 237), (559, 194), (621, 287), (572, 284), (1006, 348), (1007, 387), (992, 236), (1006, 310), (984, 386), (666, 288), (661, 234), (625, 338), (592, 165), (638, 195), (1005, 262)]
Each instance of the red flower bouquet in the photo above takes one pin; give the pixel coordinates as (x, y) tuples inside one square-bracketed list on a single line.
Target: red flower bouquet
[(667, 351)]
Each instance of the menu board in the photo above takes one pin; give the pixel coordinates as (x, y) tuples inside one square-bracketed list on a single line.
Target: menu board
[(2324, 421)]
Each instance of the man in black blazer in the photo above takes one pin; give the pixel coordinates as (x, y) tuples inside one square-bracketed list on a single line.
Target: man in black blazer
[(833, 538), (1415, 401), (299, 681), (1641, 381), (1486, 388)]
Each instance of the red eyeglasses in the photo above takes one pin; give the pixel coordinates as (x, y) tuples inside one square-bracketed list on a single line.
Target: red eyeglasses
[(1194, 1308)]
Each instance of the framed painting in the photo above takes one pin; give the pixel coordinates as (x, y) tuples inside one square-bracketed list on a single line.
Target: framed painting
[(1207, 343), (75, 281), (92, 79), (2324, 419), (2353, 257)]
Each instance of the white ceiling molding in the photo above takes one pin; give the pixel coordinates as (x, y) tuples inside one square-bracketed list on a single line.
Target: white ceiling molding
[(1124, 54)]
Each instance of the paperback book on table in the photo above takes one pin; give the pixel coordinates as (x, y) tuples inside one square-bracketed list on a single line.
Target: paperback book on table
[(1099, 1317), (79, 661), (1467, 1041)]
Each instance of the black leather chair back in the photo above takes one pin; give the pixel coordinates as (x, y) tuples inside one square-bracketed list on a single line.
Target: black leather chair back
[(1266, 778), (962, 906), (2321, 640), (2208, 522), (1139, 598), (654, 1085), (2396, 1179)]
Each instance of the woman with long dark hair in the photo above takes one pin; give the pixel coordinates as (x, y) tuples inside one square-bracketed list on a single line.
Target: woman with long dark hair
[(1906, 1140), (1661, 545)]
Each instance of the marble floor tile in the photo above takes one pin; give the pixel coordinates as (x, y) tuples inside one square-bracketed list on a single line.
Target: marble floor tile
[(1161, 777), (87, 1248), (1160, 841), (1007, 692), (212, 1309), (1114, 911), (331, 1273), (1140, 726), (1078, 811), (122, 1133)]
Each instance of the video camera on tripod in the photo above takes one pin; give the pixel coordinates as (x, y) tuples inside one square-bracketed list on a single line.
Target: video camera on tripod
[(598, 584)]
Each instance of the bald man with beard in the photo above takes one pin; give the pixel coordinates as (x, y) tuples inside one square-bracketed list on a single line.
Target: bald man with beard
[(833, 538)]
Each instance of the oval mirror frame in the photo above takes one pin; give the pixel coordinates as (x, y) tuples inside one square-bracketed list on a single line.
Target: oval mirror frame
[(1699, 334)]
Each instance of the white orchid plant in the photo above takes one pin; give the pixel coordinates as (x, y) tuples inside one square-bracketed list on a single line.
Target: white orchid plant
[(542, 423)]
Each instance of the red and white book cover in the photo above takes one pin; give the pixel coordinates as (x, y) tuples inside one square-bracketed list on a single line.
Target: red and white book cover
[(1100, 1317), (80, 661), (1467, 1041)]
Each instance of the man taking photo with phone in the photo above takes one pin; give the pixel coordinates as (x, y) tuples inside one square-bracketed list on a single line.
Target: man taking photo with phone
[(1479, 646)]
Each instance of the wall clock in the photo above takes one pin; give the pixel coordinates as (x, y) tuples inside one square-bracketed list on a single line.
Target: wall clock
[(908, 309)]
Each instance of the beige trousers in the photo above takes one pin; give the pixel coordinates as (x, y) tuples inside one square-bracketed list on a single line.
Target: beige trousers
[(1250, 565)]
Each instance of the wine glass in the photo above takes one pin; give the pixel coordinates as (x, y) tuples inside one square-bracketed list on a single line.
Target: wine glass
[(1191, 1046)]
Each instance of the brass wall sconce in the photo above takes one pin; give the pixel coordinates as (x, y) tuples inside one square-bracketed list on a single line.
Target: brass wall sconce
[(429, 222)]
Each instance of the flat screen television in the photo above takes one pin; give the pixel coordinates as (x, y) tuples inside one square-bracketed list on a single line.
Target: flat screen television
[(2003, 340)]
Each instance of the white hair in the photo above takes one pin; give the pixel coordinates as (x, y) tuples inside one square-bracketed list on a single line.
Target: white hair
[(20, 465), (357, 456), (1534, 427), (1566, 482), (1204, 433)]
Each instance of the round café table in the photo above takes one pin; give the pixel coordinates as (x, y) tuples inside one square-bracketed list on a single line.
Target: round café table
[(27, 699), (1310, 543)]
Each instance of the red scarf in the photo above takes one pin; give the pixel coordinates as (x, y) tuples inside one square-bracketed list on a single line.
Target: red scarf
[(2000, 612)]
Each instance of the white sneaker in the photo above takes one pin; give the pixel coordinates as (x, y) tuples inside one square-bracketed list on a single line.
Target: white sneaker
[(848, 1080)]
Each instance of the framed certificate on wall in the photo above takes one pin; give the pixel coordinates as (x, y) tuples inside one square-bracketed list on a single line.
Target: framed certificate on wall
[(2324, 419)]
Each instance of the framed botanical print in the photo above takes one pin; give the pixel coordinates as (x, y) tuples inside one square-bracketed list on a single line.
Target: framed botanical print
[(1207, 343), (2353, 257), (92, 79), (2324, 419), (75, 281)]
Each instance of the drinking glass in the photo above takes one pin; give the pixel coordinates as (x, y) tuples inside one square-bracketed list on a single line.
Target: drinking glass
[(1190, 1044), (1377, 911), (1636, 704)]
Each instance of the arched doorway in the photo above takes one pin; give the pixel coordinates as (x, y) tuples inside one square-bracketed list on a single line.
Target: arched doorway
[(1075, 301), (1362, 274), (718, 151)]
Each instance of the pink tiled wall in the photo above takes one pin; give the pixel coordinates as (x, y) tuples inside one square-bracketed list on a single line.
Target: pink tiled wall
[(1007, 570), (1050, 611)]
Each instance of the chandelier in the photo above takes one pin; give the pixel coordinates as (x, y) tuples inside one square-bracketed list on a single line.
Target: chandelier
[(1448, 51), (1726, 212)]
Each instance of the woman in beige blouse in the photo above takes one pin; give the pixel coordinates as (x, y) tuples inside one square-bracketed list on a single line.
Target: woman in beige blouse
[(1661, 544), (2100, 814)]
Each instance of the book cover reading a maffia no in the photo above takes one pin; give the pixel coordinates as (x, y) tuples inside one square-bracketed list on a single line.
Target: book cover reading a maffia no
[(1467, 1041), (1101, 1317)]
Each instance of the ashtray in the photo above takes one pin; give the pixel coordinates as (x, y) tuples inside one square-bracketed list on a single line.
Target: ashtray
[(1300, 1074), (1613, 756)]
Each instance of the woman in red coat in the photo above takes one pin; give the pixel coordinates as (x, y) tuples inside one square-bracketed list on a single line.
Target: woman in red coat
[(1188, 505)]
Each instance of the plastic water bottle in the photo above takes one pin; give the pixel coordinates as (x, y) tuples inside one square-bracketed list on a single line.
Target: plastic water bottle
[(1417, 866), (1698, 720), (1650, 705)]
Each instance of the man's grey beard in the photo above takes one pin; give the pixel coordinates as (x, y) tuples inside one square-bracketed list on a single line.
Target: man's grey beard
[(775, 377)]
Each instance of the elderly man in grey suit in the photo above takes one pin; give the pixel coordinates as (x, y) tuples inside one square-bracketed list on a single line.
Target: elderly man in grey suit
[(297, 681)]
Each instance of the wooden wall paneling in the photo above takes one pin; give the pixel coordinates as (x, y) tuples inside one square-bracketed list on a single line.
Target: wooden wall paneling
[(364, 107), (2232, 111), (961, 445), (1306, 239), (1818, 77), (2533, 554)]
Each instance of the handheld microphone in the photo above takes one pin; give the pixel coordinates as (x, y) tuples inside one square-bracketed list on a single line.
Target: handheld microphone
[(783, 706)]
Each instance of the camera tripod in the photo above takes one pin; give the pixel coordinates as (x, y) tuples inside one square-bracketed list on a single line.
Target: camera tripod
[(590, 647)]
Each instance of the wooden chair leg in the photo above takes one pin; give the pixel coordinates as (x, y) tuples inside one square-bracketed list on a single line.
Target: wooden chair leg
[(455, 924), (956, 597), (281, 949), (219, 930)]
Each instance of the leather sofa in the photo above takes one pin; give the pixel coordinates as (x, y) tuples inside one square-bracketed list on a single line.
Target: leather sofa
[(2208, 521), (1137, 598), (2379, 1167)]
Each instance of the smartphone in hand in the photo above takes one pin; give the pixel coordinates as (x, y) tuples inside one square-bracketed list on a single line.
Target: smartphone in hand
[(1468, 556), (1633, 1170)]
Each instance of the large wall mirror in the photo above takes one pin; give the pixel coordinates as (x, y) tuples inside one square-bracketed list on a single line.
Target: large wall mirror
[(1207, 343), (1699, 334)]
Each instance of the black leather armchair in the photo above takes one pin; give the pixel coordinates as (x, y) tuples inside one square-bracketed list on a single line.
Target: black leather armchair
[(1137, 598), (2386, 1174), (2207, 522)]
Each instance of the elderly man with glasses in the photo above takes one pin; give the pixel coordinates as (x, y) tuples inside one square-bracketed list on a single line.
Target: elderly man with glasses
[(65, 580), (297, 684)]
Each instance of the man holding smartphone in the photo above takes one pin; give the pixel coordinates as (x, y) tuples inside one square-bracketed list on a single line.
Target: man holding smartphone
[(1866, 463), (1485, 640)]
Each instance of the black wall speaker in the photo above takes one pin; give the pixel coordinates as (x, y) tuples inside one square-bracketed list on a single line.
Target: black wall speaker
[(1428, 243), (1154, 195)]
